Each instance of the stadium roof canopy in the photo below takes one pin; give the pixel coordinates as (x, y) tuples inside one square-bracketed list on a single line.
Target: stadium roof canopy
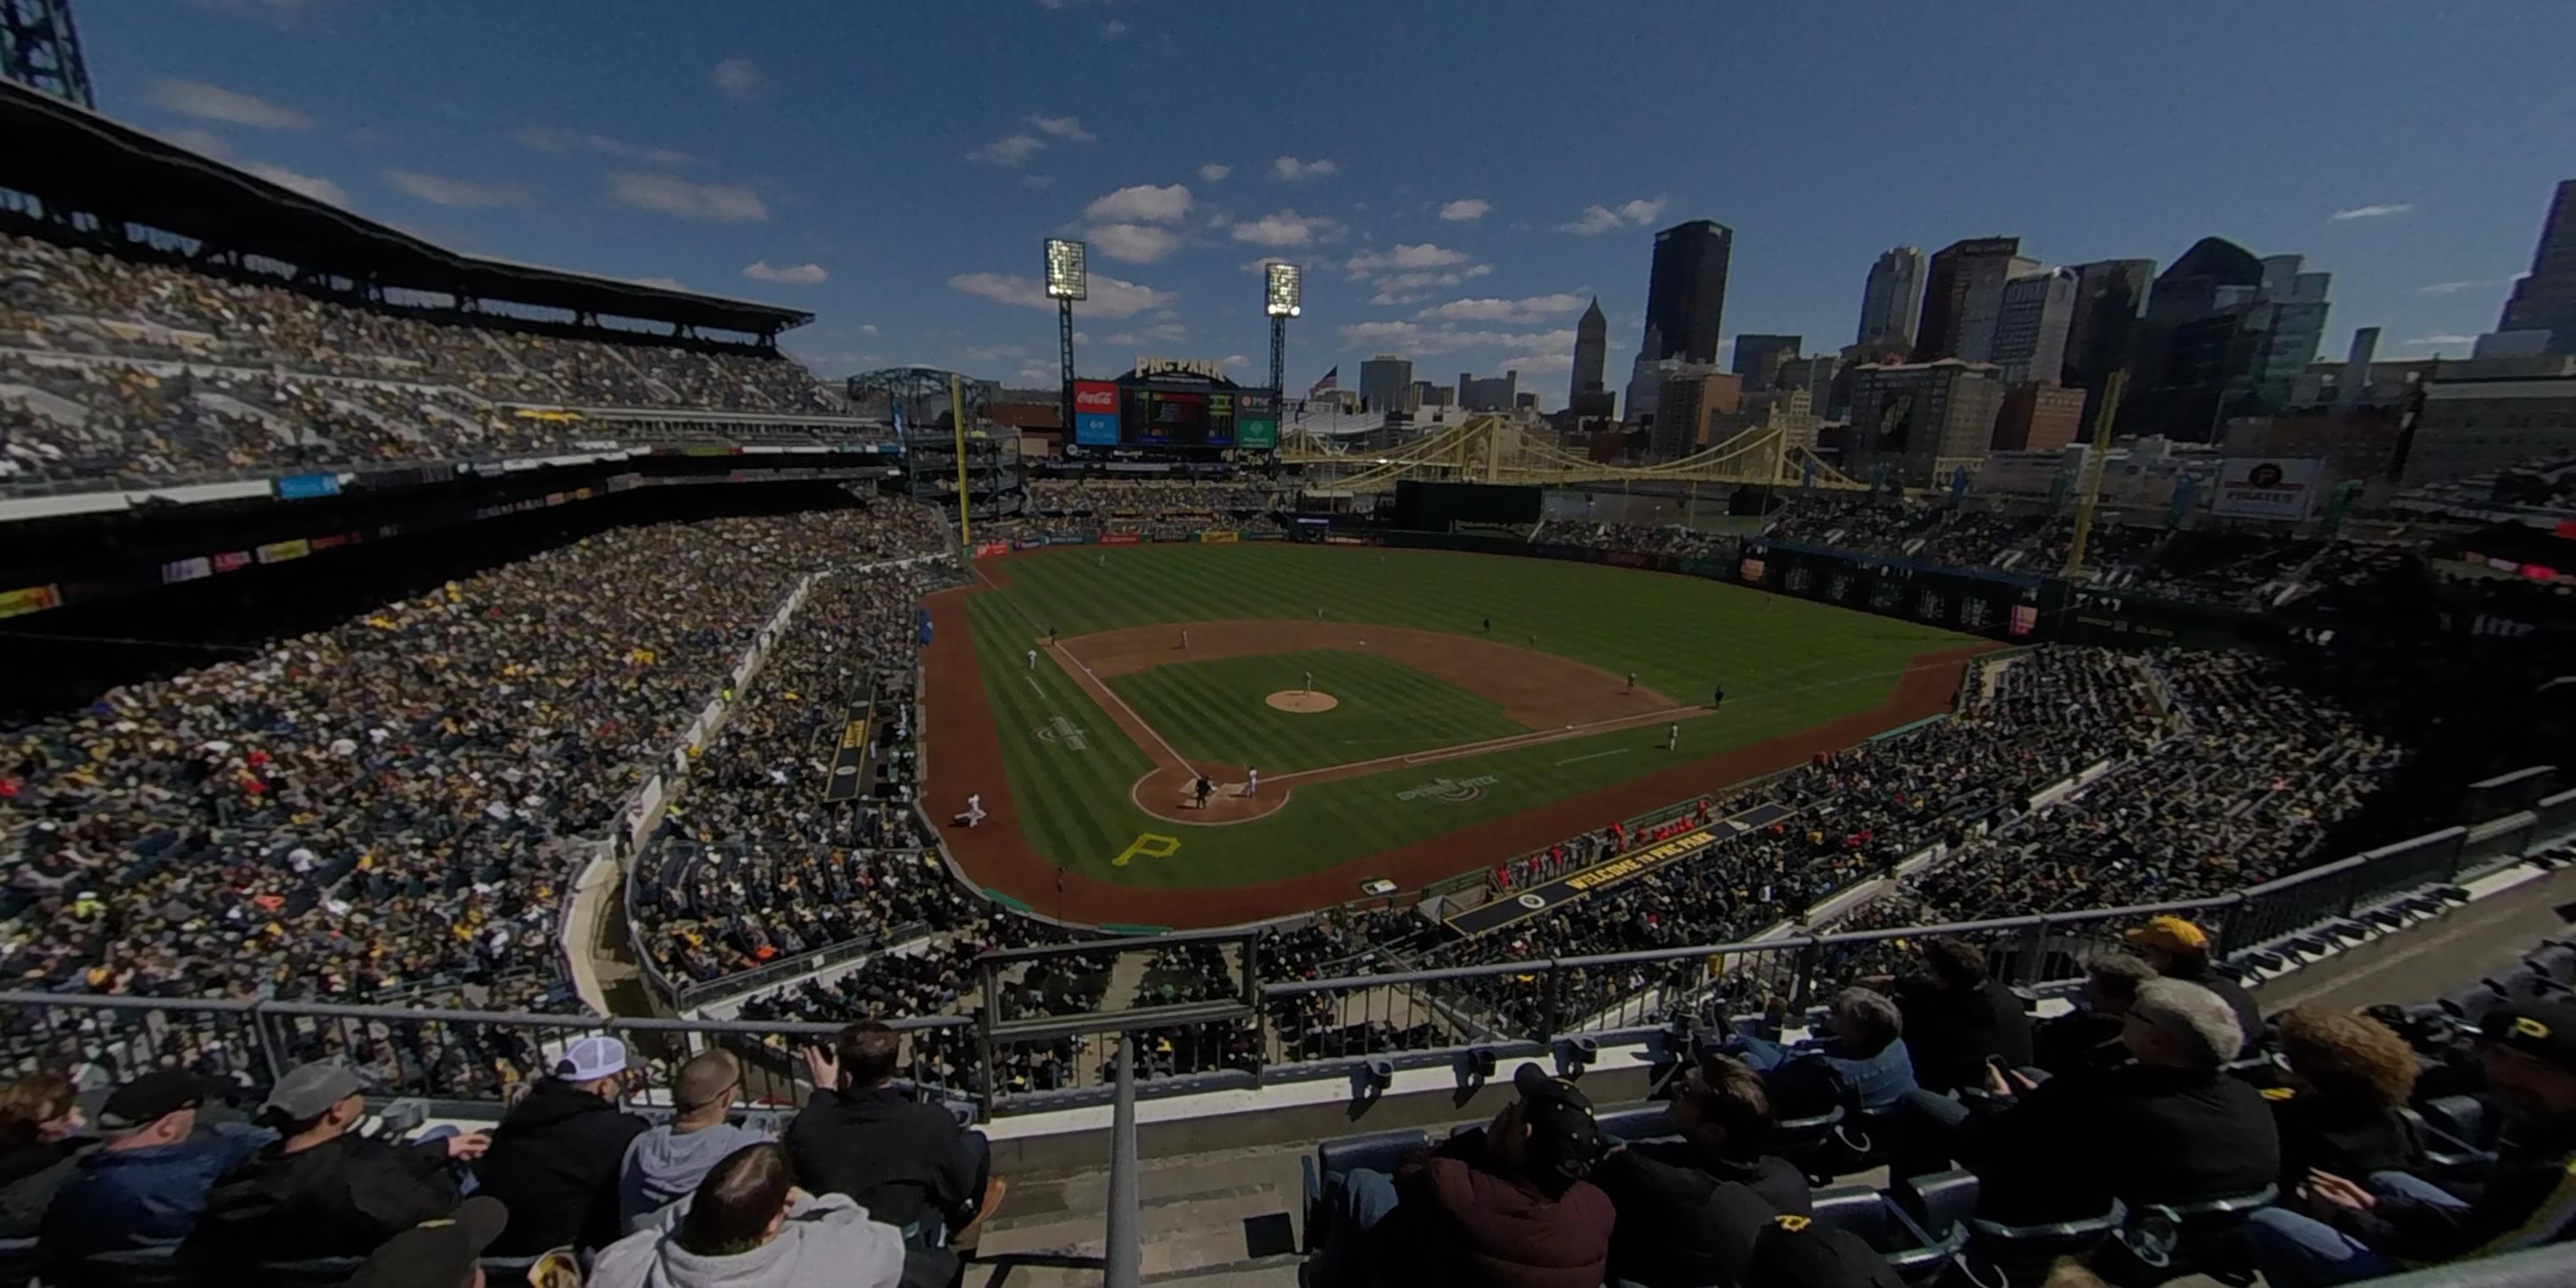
[(75, 159)]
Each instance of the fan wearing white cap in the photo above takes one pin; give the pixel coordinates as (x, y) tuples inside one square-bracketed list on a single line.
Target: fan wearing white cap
[(322, 1189), (556, 1156)]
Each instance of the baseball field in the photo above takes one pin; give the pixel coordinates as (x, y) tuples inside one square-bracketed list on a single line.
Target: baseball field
[(1358, 713)]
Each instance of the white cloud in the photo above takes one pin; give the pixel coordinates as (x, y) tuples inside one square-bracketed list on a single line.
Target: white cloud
[(721, 202), (2439, 338), (2452, 288), (805, 274), (215, 103), (2371, 212), (1110, 297), (1133, 243), (1214, 172), (1114, 28), (1040, 182), (1464, 210), (1602, 219), (1167, 332), (1419, 340), (1292, 170), (1414, 256), (737, 77), (1311, 263), (548, 139), (464, 194), (666, 283), (1535, 308), (318, 189), (1143, 203), (1010, 149), (1287, 228), (202, 142), (1234, 360), (1063, 127), (869, 329)]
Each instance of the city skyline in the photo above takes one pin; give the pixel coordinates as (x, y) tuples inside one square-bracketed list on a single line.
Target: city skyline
[(753, 155)]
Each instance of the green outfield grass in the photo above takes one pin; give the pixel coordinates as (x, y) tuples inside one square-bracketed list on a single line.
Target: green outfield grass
[(1786, 665), (1387, 709)]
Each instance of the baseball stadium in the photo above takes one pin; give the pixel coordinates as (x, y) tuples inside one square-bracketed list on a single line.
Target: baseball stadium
[(507, 775)]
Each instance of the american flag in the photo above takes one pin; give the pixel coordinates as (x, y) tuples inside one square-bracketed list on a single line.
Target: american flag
[(1332, 380)]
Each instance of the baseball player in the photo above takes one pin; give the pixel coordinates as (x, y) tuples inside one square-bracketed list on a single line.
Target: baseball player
[(974, 809), (1205, 789), (1185, 641), (1251, 781), (1632, 682), (1033, 659), (1673, 737), (1310, 682)]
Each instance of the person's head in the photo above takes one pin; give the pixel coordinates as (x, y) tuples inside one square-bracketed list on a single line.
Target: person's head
[(741, 1204), (594, 1064), (1547, 1135), (159, 1108), (1956, 963), (703, 1092), (2346, 1056), (2172, 945), (1722, 1106), (37, 1110), (1865, 1018), (2528, 1050), (869, 1053), (2111, 982), (441, 1253), (314, 1102), (2175, 1024)]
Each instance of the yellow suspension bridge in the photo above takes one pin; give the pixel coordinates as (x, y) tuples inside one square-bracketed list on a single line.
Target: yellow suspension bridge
[(1489, 449)]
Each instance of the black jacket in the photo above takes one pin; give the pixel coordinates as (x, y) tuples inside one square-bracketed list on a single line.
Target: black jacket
[(1950, 1032), (29, 1175), (342, 1198), (2248, 1015), (554, 1161), (2142, 1134), (899, 1158), (1656, 1187), (2529, 1199), (2348, 1139)]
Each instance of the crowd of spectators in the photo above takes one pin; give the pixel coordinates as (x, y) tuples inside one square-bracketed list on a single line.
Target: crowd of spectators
[(113, 367), (397, 801), (1635, 538), (1145, 510)]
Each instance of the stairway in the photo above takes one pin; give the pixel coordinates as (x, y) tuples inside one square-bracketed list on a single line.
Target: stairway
[(1230, 1218)]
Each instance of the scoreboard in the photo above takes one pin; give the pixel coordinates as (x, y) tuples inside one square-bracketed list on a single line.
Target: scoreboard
[(1180, 404), (1173, 418)]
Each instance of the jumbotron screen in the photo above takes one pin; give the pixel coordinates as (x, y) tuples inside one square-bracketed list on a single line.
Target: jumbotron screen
[(1169, 419)]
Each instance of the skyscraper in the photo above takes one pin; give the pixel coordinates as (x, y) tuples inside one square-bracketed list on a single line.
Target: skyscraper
[(1893, 297), (2030, 328), (1912, 424), (2108, 296), (1978, 265), (1758, 357), (1686, 290), (1386, 383), (1591, 351), (2546, 300)]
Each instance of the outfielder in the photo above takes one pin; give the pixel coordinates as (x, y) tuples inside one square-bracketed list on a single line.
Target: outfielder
[(1033, 659), (1673, 737)]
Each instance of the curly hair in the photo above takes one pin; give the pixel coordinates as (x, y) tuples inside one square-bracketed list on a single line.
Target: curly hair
[(2347, 1055), (28, 1103)]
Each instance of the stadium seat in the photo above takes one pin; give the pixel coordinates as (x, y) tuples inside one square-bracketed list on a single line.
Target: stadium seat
[(316, 1272), (1806, 1141), (2167, 1240), (2024, 1252), (18, 1262), (1641, 1122), (1937, 1201), (156, 1268), (1334, 1159), (1879, 1221), (2456, 1135)]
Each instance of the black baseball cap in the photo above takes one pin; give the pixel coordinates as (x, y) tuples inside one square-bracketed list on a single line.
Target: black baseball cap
[(1564, 1138), (153, 1096), (2545, 1031), (437, 1254), (1750, 1242)]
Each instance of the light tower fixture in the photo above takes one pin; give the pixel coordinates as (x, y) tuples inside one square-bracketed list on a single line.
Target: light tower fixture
[(1066, 281), (1281, 298)]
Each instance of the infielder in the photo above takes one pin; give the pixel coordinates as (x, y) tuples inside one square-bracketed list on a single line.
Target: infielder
[(1185, 641), (1310, 682), (1251, 781), (974, 809), (1632, 682), (1673, 737)]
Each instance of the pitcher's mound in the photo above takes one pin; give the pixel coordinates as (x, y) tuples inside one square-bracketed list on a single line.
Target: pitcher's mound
[(1301, 702)]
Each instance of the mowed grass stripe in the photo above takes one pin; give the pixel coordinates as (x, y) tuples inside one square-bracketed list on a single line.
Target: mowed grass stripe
[(1786, 665), (1216, 710)]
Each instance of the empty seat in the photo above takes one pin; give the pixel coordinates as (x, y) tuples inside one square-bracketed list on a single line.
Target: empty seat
[(1879, 1221), (2024, 1252)]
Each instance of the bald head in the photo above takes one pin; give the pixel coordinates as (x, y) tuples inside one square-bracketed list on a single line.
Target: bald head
[(705, 1088)]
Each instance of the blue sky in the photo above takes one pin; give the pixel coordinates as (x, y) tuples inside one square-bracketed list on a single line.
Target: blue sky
[(1459, 175)]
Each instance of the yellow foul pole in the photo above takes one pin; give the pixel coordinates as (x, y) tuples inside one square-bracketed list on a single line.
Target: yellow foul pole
[(957, 432), (2092, 478)]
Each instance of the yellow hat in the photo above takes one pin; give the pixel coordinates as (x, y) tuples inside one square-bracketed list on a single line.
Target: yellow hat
[(2171, 934)]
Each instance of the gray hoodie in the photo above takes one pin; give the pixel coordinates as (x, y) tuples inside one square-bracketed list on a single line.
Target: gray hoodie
[(826, 1243), (663, 1166)]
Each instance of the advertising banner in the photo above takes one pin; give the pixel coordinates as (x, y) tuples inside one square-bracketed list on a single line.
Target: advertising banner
[(1750, 573), (1265, 536), (1078, 539), (1119, 538), (179, 570), (2268, 487), (1217, 536), (1256, 435), (281, 551), (302, 487), (1095, 413), (2025, 619), (231, 560), (28, 599), (983, 548)]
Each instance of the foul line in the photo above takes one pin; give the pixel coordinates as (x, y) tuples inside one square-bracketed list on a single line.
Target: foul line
[(1615, 751), (1100, 689)]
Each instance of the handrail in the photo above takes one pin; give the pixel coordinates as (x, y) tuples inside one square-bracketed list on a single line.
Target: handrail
[(1124, 1253)]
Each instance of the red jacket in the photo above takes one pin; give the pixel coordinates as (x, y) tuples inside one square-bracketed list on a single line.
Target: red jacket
[(1457, 1223)]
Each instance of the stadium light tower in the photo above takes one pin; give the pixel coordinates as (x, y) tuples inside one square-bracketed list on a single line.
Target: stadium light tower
[(1280, 299), (1066, 281), (40, 49)]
